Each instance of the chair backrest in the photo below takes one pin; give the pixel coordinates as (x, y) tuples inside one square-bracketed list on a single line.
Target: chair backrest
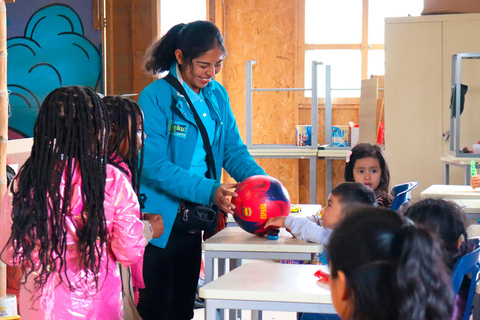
[(468, 264), (402, 194)]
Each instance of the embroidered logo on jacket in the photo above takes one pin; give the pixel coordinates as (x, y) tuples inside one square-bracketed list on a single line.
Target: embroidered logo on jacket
[(179, 130)]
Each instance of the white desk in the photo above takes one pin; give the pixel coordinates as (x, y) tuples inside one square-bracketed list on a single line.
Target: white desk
[(464, 196), (458, 162), (235, 243), (268, 286)]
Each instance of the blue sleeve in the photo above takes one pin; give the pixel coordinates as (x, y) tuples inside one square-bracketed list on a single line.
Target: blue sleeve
[(159, 171), (237, 160)]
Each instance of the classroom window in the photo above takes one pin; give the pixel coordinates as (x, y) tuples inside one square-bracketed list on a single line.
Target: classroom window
[(173, 12), (340, 34)]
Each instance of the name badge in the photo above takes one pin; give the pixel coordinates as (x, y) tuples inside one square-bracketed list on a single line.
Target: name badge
[(178, 129)]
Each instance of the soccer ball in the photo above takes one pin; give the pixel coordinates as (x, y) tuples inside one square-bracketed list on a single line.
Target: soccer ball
[(259, 198)]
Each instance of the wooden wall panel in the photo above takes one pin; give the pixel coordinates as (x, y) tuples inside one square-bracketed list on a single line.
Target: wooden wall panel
[(258, 30)]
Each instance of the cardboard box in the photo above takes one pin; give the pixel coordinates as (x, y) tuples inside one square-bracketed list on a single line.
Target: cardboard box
[(303, 135), (450, 6), (341, 135)]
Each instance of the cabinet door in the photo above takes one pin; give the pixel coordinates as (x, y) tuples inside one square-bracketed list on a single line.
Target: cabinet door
[(462, 36), (413, 102)]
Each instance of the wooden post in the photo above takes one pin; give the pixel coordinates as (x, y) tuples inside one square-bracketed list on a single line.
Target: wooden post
[(3, 122)]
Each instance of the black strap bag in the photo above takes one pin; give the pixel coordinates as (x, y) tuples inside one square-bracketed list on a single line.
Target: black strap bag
[(193, 217)]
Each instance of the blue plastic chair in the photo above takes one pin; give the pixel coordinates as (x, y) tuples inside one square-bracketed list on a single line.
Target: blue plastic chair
[(468, 264), (402, 194)]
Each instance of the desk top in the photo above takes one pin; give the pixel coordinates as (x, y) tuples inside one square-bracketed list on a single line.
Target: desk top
[(270, 282), (460, 160), (236, 239), (450, 192)]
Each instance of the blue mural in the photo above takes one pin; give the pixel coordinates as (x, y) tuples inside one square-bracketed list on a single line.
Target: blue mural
[(53, 52)]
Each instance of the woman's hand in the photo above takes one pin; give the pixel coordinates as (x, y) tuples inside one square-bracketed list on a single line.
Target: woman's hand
[(475, 182), (221, 197)]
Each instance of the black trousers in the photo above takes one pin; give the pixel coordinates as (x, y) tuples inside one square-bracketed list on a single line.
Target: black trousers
[(171, 277)]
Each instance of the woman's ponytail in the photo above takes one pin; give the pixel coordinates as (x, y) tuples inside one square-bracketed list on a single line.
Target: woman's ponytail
[(161, 54), (422, 278)]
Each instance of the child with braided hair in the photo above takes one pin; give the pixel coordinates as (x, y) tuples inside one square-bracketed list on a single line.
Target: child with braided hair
[(125, 151), (68, 216)]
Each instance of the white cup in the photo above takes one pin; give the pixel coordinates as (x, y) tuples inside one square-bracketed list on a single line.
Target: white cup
[(476, 148)]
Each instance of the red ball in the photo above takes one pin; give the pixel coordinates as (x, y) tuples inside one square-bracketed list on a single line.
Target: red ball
[(259, 199)]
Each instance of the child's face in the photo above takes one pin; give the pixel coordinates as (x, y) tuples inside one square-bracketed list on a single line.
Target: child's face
[(125, 144), (332, 212), (202, 69), (340, 300), (368, 172)]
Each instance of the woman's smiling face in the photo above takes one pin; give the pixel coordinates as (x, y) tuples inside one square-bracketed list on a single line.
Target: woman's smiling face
[(201, 70)]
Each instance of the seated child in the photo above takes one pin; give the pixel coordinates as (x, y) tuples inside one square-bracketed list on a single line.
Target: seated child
[(382, 267), (366, 164), (447, 220), (318, 228)]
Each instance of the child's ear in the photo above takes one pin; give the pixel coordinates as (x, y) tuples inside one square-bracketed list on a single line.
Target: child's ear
[(343, 285)]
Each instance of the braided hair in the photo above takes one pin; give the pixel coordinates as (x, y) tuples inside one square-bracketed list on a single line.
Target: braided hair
[(70, 134), (124, 114)]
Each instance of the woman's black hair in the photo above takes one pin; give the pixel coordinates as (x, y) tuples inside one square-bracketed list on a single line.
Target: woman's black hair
[(193, 39), (393, 269), (354, 192), (70, 133), (446, 219), (368, 150), (123, 114)]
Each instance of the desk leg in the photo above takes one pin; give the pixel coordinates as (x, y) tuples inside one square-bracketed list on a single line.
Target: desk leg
[(446, 173), (208, 267), (468, 174), (313, 180), (212, 313), (328, 176), (235, 314), (257, 315)]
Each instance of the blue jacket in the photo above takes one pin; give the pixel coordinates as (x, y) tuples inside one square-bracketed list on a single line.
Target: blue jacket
[(171, 138)]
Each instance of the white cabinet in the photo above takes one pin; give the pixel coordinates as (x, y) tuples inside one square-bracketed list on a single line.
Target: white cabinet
[(418, 56)]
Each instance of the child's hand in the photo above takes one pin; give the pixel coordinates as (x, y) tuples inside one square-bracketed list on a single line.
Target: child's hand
[(156, 221), (275, 222), (475, 182)]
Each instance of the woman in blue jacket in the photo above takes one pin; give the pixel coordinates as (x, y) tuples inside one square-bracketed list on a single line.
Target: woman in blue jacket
[(175, 160)]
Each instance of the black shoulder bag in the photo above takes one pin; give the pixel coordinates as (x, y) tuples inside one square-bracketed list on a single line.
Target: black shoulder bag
[(193, 217)]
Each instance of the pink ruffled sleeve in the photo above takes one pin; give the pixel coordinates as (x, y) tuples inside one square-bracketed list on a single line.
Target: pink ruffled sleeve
[(127, 241)]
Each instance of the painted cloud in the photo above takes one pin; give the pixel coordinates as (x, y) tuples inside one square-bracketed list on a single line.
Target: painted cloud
[(53, 52)]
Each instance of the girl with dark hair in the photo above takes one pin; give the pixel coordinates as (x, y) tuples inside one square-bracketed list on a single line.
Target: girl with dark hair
[(125, 151), (448, 221), (366, 164), (384, 268), (68, 215), (178, 164)]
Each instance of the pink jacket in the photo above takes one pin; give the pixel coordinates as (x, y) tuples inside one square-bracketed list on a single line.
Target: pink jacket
[(126, 245)]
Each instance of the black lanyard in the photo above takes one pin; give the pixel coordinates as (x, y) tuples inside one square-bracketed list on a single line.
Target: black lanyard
[(206, 143)]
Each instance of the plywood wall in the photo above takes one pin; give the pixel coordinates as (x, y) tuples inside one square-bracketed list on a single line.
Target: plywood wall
[(132, 25), (265, 32)]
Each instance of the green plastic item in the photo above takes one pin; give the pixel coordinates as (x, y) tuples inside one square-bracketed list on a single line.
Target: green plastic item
[(473, 169)]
